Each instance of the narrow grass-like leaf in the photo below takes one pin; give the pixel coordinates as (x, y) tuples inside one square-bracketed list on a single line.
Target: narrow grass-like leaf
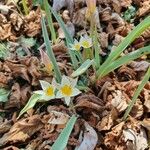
[(30, 104), (49, 19), (68, 37), (136, 94), (62, 140), (136, 32), (82, 68), (126, 59), (50, 51), (25, 7), (62, 25)]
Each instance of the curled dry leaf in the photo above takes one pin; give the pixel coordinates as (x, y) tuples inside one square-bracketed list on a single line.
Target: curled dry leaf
[(59, 4), (137, 110), (144, 8), (58, 118), (92, 102), (139, 140), (11, 148), (104, 40), (125, 3), (107, 121), (89, 140), (79, 17), (120, 102), (146, 33), (4, 126), (146, 123), (5, 32), (140, 66), (33, 23), (26, 68), (111, 139), (22, 130), (19, 96), (117, 39), (116, 6), (16, 21), (146, 93)]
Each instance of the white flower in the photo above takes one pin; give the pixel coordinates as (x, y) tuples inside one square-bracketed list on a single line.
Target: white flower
[(86, 41), (76, 46), (67, 89), (48, 90)]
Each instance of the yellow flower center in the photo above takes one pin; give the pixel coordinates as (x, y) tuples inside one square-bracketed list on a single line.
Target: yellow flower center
[(85, 44), (66, 90), (77, 47), (49, 91)]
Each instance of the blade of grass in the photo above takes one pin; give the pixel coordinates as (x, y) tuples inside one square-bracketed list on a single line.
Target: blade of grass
[(49, 19), (126, 59), (137, 31), (50, 51), (136, 94), (25, 7), (62, 140), (82, 69), (68, 37), (30, 104)]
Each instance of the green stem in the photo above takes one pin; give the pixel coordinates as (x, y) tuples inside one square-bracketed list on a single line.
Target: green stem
[(49, 19), (50, 51)]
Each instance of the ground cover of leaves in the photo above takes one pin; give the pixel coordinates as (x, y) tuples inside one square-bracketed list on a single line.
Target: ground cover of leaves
[(100, 108)]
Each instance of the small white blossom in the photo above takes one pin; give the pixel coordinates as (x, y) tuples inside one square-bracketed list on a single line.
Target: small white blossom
[(76, 46), (48, 90), (86, 41), (67, 89)]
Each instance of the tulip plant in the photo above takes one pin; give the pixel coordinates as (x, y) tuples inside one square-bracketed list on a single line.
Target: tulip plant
[(84, 53)]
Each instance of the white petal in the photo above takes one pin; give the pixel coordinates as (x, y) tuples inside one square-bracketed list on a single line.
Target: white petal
[(44, 84), (55, 84), (59, 95), (40, 92), (82, 39), (74, 82), (65, 81), (75, 41), (76, 92), (67, 100)]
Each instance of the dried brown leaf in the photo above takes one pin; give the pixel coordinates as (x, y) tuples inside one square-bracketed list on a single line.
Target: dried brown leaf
[(22, 130)]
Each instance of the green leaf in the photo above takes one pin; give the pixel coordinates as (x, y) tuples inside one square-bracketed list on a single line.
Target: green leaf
[(137, 92), (50, 51), (68, 37), (62, 140), (136, 32), (49, 19), (30, 104), (82, 68), (126, 59), (4, 95)]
